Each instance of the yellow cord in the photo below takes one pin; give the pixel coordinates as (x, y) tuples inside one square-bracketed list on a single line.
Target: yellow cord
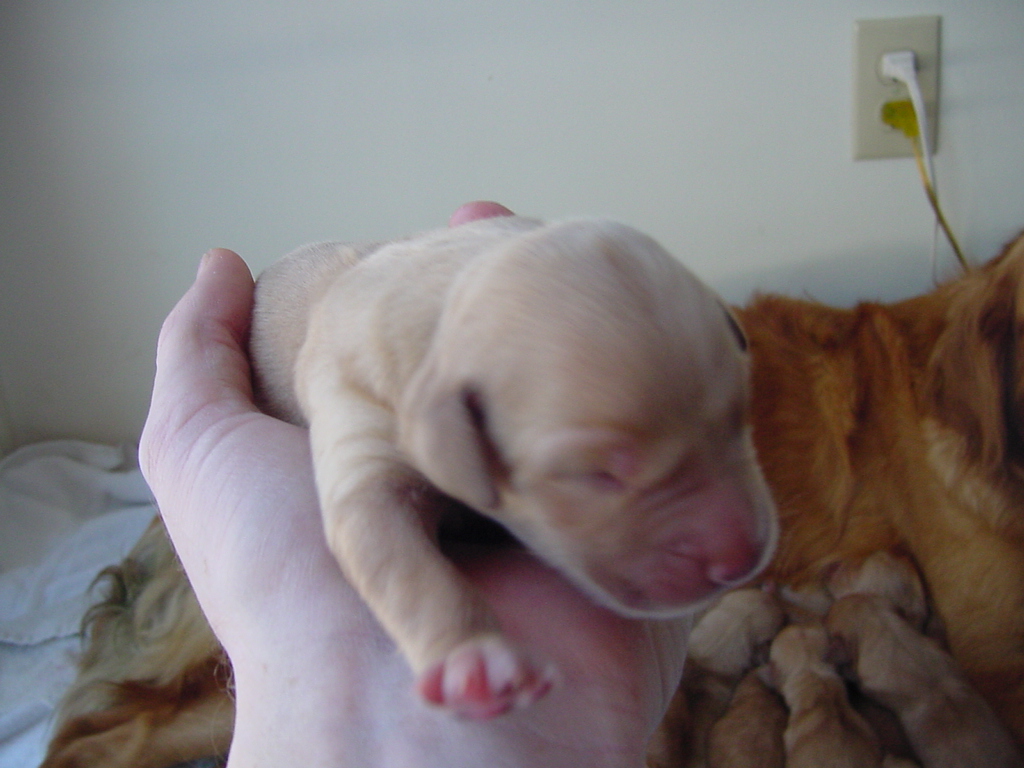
[(900, 115)]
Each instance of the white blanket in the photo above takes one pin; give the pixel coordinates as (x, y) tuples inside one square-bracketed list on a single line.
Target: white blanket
[(67, 510)]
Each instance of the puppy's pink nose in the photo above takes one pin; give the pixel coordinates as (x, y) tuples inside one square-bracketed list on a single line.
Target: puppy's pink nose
[(734, 563), (717, 543), (732, 532), (716, 538)]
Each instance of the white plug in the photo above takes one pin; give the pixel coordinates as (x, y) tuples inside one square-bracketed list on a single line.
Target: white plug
[(902, 66)]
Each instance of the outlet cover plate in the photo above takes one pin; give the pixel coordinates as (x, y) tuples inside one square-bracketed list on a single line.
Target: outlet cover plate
[(873, 37)]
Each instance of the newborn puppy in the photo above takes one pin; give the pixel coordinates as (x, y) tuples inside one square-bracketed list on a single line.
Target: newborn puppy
[(823, 728), (750, 733), (731, 637), (892, 577), (728, 639), (946, 721), (572, 381)]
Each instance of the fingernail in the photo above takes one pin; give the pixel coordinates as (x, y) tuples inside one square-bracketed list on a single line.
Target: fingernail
[(204, 262)]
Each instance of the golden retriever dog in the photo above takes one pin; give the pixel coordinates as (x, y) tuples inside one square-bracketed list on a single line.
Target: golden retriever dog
[(890, 427), (901, 426), (823, 728), (946, 721)]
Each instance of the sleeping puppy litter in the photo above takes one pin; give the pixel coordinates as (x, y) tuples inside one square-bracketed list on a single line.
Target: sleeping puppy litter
[(572, 381), (823, 728), (946, 721), (728, 640)]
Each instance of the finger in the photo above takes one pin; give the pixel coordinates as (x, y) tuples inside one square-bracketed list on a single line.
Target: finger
[(479, 209)]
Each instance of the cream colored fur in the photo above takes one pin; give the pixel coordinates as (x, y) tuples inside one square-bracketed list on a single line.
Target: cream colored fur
[(946, 721), (891, 577), (729, 639), (735, 633), (823, 728), (857, 412), (573, 381), (750, 733)]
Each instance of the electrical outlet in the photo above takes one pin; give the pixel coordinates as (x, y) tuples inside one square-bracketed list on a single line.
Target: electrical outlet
[(872, 38)]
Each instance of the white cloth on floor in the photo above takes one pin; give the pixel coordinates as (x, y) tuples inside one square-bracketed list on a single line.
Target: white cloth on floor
[(68, 509)]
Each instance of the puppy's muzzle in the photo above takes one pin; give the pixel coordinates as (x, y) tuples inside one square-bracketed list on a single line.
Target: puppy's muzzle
[(711, 541)]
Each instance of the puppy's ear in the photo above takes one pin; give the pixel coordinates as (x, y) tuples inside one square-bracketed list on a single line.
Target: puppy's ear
[(442, 427)]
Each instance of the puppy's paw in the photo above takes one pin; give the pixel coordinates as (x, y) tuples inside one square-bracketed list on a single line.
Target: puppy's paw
[(483, 678)]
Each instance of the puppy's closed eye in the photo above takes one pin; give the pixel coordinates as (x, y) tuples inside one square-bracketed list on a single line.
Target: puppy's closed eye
[(603, 481), (599, 481)]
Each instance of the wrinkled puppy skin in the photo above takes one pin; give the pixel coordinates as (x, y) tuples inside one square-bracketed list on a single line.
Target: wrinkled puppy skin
[(572, 381)]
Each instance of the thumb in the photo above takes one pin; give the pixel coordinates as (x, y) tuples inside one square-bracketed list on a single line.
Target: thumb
[(201, 362)]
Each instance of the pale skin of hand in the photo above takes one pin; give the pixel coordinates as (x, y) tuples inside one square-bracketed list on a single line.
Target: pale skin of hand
[(318, 683)]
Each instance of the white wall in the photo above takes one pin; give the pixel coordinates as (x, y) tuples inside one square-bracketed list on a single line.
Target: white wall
[(137, 134), (6, 430)]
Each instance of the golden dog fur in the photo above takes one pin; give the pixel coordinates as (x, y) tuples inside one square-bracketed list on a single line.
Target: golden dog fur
[(900, 426), (891, 428), (153, 686)]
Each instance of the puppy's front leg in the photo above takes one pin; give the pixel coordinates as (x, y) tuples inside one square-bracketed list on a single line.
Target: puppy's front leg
[(380, 524)]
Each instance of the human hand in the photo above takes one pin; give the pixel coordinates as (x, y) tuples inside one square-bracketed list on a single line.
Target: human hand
[(317, 681)]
